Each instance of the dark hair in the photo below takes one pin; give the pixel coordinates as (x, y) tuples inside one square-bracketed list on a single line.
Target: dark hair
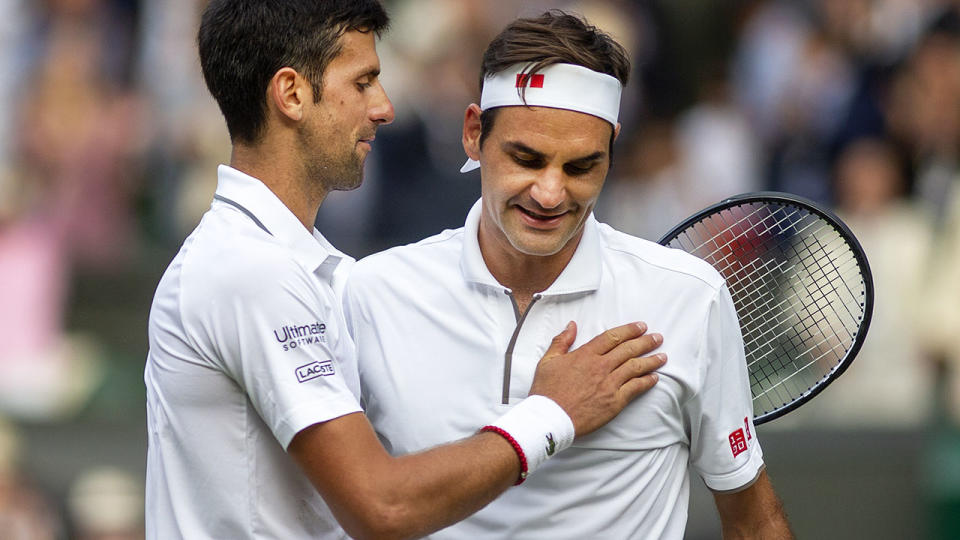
[(243, 43), (556, 37)]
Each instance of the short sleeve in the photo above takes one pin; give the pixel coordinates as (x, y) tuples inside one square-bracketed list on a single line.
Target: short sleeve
[(724, 449), (277, 332)]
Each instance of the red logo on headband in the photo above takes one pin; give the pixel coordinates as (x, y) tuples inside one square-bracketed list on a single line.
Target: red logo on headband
[(533, 81)]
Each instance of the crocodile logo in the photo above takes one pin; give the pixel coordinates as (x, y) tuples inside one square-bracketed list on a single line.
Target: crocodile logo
[(551, 445)]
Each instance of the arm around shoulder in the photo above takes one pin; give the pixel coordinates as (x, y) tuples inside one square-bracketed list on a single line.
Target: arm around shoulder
[(753, 513)]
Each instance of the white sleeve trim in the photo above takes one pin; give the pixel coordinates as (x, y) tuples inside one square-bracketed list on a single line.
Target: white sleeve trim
[(742, 477), (308, 414)]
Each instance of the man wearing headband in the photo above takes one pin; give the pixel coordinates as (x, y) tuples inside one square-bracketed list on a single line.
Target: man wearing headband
[(429, 317), (254, 422)]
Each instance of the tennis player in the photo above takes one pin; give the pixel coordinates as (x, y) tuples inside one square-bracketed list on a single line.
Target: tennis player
[(530, 257), (255, 429)]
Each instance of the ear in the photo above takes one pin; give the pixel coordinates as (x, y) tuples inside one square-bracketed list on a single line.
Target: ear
[(471, 131), (287, 92), (616, 131)]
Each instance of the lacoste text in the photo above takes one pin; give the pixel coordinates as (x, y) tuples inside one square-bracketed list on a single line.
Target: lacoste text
[(314, 370)]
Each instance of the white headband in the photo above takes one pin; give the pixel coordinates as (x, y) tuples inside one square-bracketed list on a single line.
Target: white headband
[(558, 86)]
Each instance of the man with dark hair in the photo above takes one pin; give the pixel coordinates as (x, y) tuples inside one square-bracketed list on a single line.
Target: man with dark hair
[(254, 423), (530, 257)]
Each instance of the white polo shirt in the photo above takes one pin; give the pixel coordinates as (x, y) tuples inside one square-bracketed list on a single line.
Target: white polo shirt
[(434, 328), (247, 347)]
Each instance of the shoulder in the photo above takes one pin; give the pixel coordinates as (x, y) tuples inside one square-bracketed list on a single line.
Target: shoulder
[(234, 259), (630, 253), (430, 256)]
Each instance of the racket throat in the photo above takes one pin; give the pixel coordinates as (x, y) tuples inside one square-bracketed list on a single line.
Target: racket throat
[(508, 355)]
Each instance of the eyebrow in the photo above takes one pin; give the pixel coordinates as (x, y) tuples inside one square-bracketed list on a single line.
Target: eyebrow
[(520, 147), (373, 73)]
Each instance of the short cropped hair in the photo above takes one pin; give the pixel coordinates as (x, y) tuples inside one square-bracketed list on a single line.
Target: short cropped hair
[(556, 37), (243, 43)]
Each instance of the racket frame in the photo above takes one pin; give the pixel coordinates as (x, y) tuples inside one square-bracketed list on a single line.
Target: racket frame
[(780, 198)]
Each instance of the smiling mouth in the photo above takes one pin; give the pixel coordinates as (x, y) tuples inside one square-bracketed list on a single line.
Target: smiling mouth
[(538, 216)]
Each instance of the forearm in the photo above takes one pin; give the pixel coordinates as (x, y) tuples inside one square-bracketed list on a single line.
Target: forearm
[(754, 513), (374, 495), (413, 495), (772, 526)]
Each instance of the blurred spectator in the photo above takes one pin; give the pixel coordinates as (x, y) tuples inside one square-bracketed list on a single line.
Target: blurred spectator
[(890, 383), (188, 138), (45, 373), (78, 134), (941, 301), (718, 148), (12, 18), (646, 194), (25, 513), (924, 111), (68, 204), (106, 503), (670, 170)]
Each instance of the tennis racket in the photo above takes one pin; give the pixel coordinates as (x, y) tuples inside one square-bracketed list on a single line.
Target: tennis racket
[(801, 286)]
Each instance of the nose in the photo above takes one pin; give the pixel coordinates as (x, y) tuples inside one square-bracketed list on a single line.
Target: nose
[(381, 109), (549, 189)]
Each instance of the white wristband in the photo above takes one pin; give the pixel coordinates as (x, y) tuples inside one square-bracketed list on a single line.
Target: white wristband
[(541, 428)]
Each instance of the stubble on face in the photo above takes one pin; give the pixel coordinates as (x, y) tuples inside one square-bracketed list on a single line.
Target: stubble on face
[(327, 167), (339, 128)]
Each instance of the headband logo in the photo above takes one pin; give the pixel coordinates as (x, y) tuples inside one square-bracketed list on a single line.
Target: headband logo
[(532, 81)]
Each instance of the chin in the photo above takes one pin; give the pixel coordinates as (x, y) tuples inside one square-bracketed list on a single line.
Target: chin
[(537, 249)]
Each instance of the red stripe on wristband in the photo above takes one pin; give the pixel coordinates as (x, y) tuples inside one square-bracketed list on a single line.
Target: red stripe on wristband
[(516, 448)]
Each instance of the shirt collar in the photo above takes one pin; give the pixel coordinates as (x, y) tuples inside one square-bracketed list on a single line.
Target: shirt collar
[(582, 273), (311, 250)]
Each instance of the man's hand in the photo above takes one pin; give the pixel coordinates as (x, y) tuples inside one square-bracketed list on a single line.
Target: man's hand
[(596, 381)]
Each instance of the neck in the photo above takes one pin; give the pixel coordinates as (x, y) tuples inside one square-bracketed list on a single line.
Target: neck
[(522, 273), (270, 164)]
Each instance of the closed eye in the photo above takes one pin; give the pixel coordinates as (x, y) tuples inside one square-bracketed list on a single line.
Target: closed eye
[(528, 162), (577, 169)]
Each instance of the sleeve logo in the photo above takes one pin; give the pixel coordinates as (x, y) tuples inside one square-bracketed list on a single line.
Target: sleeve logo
[(292, 336), (314, 369), (738, 442)]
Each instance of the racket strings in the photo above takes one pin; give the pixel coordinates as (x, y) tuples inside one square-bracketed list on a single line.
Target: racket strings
[(788, 271)]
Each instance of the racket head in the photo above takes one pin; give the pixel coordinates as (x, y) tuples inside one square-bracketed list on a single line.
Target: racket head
[(801, 285)]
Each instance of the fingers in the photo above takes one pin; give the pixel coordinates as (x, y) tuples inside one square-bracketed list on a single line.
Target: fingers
[(639, 369), (563, 341), (607, 341), (636, 387), (633, 348)]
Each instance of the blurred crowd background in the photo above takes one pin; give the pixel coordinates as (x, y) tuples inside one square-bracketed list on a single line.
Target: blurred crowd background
[(109, 143)]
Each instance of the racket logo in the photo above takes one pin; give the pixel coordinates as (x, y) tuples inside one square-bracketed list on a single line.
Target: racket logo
[(738, 442)]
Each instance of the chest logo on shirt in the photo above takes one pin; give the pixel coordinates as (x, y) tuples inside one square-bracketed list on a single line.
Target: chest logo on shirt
[(292, 336), (314, 369)]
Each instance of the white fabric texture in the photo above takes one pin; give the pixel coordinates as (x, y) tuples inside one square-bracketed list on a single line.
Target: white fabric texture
[(248, 346), (433, 326)]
